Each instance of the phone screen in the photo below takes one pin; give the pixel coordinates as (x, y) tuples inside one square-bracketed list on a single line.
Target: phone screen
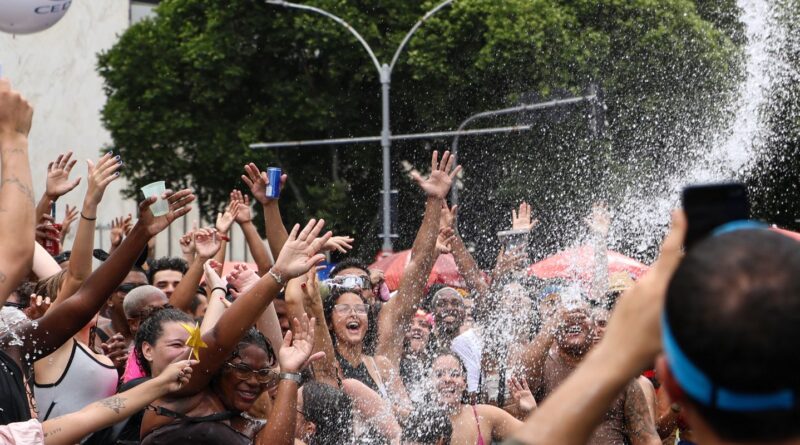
[(513, 239), (712, 205)]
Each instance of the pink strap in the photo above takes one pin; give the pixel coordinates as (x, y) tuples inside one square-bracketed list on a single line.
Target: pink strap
[(478, 424)]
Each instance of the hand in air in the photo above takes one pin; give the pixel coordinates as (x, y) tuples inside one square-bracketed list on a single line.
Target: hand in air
[(521, 394), (301, 250), (178, 206), (441, 178), (58, 183), (522, 219), (295, 354), (100, 175), (257, 181)]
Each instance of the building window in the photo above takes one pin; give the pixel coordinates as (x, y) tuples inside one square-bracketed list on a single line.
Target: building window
[(142, 9)]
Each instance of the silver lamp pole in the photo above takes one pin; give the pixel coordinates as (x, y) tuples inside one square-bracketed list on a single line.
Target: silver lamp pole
[(385, 77)]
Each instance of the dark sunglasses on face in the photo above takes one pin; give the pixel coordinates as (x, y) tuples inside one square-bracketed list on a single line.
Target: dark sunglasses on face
[(127, 287), (264, 376)]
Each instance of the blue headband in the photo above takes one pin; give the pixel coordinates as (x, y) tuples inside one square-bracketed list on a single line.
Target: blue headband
[(696, 384), (742, 224)]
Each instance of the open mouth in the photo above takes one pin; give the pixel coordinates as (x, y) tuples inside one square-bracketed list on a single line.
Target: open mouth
[(247, 396), (416, 335), (353, 326)]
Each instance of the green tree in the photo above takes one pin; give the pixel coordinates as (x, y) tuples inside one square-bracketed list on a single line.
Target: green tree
[(191, 88)]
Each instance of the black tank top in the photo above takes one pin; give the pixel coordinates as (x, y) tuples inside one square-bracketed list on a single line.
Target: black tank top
[(359, 373), (206, 430), (13, 397)]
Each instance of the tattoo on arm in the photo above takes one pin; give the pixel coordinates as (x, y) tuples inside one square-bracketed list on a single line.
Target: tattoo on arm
[(639, 424), (26, 190), (114, 403), (52, 432)]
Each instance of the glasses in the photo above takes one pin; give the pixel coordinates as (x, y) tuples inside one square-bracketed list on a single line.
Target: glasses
[(453, 373), (264, 376), (127, 287), (344, 309)]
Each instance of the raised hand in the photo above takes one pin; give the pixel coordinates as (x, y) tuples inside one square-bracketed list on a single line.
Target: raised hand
[(70, 215), (100, 175), (175, 375), (448, 217), (58, 182), (212, 277), (509, 261), (242, 278), (37, 307), (225, 219), (443, 240), (340, 243), (15, 113), (243, 213), (119, 228), (522, 219), (441, 179), (295, 354), (207, 243), (599, 220), (178, 206), (521, 394), (46, 231), (116, 348), (257, 181), (300, 252)]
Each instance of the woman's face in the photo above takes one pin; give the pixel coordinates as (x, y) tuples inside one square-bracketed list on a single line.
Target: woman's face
[(349, 319), (170, 347), (239, 386), (418, 334), (449, 380)]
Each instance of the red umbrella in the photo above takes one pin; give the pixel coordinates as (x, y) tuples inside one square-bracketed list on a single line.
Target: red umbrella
[(393, 266), (578, 264)]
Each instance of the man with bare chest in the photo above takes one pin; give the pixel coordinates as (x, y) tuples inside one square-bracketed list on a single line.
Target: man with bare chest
[(561, 345)]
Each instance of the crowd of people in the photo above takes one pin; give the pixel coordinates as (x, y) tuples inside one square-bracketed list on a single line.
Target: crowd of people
[(171, 350)]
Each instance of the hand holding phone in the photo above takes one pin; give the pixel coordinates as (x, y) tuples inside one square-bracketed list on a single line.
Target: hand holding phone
[(709, 206)]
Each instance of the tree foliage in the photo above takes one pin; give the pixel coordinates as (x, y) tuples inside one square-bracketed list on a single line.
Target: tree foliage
[(191, 88)]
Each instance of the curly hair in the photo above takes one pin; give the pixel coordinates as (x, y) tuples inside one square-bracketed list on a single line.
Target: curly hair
[(255, 338), (371, 336), (152, 328), (166, 263)]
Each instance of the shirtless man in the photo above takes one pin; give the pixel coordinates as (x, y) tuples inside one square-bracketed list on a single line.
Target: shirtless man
[(559, 348)]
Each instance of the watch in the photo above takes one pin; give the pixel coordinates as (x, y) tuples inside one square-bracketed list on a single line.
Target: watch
[(277, 276), (292, 376)]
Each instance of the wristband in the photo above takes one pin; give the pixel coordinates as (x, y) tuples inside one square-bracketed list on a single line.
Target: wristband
[(87, 218), (277, 276), (294, 376), (220, 288)]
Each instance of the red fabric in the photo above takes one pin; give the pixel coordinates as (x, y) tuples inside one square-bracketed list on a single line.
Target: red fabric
[(578, 264), (393, 266), (788, 233)]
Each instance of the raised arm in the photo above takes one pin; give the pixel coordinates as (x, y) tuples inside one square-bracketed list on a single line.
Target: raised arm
[(296, 351), (16, 190), (298, 255), (599, 222), (302, 297), (464, 261), (257, 181), (244, 217), (631, 342), (400, 309), (71, 428), (243, 278), (65, 320), (534, 355), (207, 243), (80, 261)]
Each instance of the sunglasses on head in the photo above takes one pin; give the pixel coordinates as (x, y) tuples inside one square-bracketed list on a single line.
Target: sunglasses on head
[(353, 281)]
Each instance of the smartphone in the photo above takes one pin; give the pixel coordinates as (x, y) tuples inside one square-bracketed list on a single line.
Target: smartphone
[(513, 239), (709, 206)]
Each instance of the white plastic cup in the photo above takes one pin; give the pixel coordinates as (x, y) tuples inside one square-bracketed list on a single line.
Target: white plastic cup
[(157, 189)]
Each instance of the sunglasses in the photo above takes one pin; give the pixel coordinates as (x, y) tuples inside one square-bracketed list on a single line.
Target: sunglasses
[(264, 376), (344, 309), (353, 281), (127, 287)]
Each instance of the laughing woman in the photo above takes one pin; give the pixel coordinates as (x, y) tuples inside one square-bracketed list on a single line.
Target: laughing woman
[(347, 314)]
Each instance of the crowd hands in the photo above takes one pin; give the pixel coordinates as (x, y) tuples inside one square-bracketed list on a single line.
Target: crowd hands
[(167, 350)]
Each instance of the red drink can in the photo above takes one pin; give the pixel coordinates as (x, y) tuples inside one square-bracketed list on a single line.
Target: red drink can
[(53, 247)]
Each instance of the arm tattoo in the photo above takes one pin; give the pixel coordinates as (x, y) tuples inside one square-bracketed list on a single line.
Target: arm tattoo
[(639, 424), (25, 189), (52, 432), (114, 403)]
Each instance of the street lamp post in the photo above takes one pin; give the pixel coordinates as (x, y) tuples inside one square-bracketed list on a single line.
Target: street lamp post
[(385, 77)]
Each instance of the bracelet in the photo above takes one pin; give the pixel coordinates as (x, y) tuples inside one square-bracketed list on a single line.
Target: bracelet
[(277, 277), (295, 376), (87, 218), (219, 288)]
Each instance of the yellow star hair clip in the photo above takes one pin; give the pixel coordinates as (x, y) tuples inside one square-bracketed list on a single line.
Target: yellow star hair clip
[(195, 341)]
